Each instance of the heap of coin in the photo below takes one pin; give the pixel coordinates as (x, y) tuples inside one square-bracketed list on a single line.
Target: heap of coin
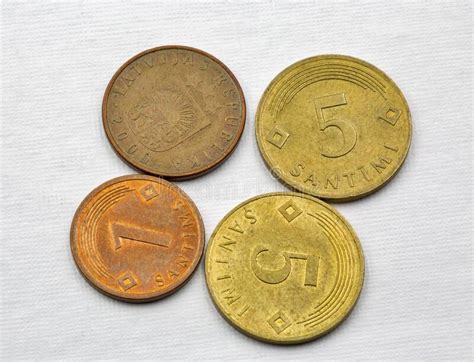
[(281, 267)]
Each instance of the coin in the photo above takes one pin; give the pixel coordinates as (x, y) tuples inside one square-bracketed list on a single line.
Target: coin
[(137, 238), (174, 111), (334, 127), (284, 268)]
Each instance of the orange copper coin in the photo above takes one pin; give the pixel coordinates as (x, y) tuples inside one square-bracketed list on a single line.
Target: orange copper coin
[(174, 111), (137, 238)]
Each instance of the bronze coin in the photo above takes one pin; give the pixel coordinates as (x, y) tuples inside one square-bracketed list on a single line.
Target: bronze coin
[(174, 111), (137, 238)]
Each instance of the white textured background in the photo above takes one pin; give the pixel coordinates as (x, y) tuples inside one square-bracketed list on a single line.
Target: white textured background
[(56, 60)]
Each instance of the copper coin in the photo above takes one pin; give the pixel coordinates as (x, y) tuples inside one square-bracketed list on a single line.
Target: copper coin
[(174, 111), (137, 238)]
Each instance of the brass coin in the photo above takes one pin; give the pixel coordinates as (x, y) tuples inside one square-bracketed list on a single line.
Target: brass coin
[(174, 111), (284, 268), (334, 127), (137, 238)]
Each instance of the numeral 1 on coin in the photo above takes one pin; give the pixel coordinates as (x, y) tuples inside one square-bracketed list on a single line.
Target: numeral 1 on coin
[(122, 232)]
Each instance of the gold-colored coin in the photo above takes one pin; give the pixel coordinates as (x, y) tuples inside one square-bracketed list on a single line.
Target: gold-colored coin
[(174, 112), (284, 268), (333, 126)]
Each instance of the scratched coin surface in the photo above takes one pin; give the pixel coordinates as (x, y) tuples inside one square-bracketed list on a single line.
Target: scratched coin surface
[(284, 268), (334, 127), (174, 111), (137, 238)]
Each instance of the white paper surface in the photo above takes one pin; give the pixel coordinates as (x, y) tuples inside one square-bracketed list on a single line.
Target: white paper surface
[(56, 60)]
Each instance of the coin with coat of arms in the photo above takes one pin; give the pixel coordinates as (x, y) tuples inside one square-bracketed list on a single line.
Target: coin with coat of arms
[(174, 111)]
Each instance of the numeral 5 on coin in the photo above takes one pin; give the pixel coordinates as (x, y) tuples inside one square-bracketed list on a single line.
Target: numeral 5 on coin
[(272, 276), (348, 131)]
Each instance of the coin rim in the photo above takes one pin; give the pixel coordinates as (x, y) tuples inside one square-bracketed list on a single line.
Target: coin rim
[(300, 188), (146, 297), (300, 339), (178, 175)]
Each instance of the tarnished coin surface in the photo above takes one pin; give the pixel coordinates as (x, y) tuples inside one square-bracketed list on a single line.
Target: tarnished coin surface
[(174, 111), (284, 268), (334, 127), (137, 238)]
